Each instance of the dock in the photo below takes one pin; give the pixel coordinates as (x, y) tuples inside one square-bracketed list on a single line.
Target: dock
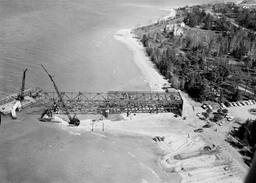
[(116, 102)]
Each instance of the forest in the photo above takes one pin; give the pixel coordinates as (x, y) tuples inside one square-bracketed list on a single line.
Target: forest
[(244, 138), (243, 16), (210, 57)]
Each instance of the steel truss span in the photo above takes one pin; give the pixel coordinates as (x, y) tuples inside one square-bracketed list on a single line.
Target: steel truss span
[(116, 102)]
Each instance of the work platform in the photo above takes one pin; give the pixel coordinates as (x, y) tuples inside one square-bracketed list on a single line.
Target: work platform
[(116, 102)]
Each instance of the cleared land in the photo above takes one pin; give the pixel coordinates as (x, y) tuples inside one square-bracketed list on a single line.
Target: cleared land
[(126, 151)]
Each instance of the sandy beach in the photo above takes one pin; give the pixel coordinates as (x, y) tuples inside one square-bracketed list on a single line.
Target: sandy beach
[(117, 151), (36, 152), (32, 151), (153, 79), (178, 134), (122, 150)]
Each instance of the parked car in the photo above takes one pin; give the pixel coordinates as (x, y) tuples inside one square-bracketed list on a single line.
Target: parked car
[(234, 104), (222, 105), (199, 130), (230, 118), (225, 111), (217, 117), (204, 106), (221, 111), (227, 104), (206, 125), (210, 107)]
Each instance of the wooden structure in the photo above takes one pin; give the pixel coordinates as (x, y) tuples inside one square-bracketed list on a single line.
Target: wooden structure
[(30, 97), (116, 102)]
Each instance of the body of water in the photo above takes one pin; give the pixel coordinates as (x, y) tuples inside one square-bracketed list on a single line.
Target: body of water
[(74, 40)]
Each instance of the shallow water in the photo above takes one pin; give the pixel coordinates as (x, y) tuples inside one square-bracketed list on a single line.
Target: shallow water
[(74, 40), (33, 152)]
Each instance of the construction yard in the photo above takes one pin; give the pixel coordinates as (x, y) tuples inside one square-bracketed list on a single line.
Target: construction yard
[(197, 156), (148, 135), (186, 145), (116, 102)]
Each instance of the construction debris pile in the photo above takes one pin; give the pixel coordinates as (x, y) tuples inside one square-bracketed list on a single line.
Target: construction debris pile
[(194, 159), (71, 103), (16, 102), (31, 95)]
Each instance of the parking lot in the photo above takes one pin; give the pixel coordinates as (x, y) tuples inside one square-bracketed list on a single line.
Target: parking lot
[(241, 109)]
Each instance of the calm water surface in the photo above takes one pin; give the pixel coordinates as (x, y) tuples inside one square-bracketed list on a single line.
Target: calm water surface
[(74, 40)]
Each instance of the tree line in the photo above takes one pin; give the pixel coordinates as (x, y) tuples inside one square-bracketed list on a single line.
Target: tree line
[(197, 60), (246, 140)]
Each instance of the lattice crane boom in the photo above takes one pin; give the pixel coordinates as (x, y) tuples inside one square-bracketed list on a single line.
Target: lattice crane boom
[(72, 120)]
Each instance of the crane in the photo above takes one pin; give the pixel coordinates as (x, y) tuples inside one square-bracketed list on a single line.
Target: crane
[(20, 97), (21, 94), (72, 120)]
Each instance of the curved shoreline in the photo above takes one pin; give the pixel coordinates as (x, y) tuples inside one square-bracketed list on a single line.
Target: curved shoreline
[(154, 80), (211, 164)]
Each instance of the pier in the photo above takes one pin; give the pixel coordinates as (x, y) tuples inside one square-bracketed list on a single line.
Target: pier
[(116, 102)]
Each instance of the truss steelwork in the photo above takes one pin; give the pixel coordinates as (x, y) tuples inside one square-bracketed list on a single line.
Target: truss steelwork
[(116, 102)]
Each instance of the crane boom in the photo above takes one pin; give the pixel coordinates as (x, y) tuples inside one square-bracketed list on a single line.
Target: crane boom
[(59, 95), (21, 94)]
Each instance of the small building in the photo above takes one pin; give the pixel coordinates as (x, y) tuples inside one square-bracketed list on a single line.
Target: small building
[(177, 29)]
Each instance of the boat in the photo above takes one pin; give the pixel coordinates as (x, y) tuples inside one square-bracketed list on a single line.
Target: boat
[(31, 96)]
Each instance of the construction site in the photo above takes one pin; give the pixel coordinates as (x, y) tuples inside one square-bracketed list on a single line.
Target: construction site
[(192, 153), (204, 160), (112, 102), (116, 102), (81, 100)]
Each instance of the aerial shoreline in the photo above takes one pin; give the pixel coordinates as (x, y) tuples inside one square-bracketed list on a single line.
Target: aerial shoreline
[(154, 80), (127, 147)]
